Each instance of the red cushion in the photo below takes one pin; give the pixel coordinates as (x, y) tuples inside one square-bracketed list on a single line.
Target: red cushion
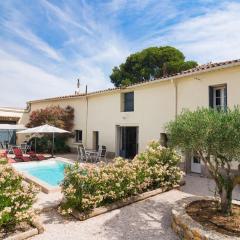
[(25, 159), (40, 157)]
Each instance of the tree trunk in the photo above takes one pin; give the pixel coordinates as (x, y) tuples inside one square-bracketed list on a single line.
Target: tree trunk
[(226, 199)]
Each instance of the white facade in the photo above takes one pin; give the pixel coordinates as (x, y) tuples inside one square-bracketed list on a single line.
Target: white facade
[(155, 104)]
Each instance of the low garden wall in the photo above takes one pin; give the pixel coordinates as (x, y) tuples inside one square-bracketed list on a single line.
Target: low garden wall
[(120, 203), (37, 228), (187, 228)]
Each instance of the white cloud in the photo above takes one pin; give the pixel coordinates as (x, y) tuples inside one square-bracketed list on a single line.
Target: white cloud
[(21, 81), (33, 40), (64, 16), (92, 40), (214, 36)]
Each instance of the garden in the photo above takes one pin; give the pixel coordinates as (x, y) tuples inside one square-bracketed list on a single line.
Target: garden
[(88, 188), (214, 137), (211, 135)]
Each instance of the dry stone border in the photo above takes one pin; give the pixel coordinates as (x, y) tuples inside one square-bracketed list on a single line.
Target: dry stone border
[(38, 228), (124, 202), (187, 228)]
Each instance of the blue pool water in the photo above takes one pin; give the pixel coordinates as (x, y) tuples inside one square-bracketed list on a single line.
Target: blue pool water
[(49, 171)]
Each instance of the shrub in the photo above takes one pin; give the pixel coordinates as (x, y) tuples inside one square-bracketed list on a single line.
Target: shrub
[(44, 144), (213, 136), (16, 199), (88, 187), (55, 116)]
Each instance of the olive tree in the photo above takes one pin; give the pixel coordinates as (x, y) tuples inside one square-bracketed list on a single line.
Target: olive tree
[(214, 136)]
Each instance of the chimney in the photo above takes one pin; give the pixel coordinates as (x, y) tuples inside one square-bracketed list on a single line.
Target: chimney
[(78, 87)]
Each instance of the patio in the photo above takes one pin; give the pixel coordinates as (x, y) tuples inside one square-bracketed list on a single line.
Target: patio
[(148, 219)]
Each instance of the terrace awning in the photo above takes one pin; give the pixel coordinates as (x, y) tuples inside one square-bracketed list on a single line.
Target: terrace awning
[(12, 127)]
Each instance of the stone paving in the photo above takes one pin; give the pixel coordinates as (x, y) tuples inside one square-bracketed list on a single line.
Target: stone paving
[(148, 219), (202, 186)]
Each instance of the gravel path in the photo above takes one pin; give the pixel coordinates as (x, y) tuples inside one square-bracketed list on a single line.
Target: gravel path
[(148, 219)]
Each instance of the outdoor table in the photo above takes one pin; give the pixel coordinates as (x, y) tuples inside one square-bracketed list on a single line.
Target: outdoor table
[(92, 153)]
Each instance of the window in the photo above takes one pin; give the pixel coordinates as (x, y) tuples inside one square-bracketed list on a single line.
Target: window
[(128, 102), (196, 159), (218, 97), (163, 139), (78, 135)]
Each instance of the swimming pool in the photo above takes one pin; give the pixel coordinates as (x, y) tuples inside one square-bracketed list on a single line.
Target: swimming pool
[(48, 172)]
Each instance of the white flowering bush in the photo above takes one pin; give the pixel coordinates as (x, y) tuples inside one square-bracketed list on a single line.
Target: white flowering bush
[(90, 187), (16, 199)]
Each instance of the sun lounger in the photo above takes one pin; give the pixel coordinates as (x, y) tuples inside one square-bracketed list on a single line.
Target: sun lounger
[(35, 156), (19, 155)]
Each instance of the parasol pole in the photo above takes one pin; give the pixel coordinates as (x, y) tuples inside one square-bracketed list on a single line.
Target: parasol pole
[(53, 144)]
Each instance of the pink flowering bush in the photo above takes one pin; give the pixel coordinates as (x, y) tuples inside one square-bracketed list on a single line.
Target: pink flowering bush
[(90, 187), (16, 199)]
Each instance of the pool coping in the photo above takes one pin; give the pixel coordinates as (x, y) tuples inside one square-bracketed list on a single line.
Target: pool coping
[(45, 187)]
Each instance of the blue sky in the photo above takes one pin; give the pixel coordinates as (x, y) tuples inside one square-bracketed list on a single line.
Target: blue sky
[(45, 45)]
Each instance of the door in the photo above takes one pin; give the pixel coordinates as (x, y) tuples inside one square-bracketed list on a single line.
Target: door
[(195, 164), (128, 142), (96, 140)]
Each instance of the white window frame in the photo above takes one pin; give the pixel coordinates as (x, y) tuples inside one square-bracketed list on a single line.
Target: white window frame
[(222, 97)]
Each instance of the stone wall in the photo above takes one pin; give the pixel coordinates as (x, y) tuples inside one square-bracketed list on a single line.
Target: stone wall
[(187, 228)]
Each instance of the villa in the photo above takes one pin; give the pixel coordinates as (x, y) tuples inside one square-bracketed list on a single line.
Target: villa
[(126, 119)]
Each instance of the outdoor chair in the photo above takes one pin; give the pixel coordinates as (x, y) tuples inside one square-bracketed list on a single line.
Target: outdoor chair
[(83, 155), (6, 144), (102, 154), (19, 155), (79, 154), (29, 147), (86, 156), (23, 147)]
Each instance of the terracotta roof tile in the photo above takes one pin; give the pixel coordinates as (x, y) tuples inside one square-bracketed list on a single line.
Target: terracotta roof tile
[(197, 69)]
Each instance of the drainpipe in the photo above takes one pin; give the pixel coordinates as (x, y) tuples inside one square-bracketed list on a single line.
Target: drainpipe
[(86, 123), (186, 155), (28, 108)]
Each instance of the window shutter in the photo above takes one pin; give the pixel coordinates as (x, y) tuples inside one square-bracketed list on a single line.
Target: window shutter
[(225, 97), (129, 102), (210, 94)]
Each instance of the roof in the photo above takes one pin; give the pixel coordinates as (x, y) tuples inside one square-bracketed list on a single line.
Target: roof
[(11, 109), (10, 114), (197, 70)]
